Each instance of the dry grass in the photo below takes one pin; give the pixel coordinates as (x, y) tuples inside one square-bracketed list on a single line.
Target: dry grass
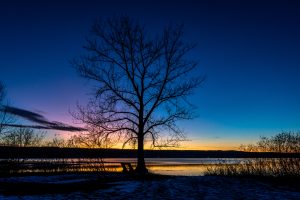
[(46, 166), (272, 167)]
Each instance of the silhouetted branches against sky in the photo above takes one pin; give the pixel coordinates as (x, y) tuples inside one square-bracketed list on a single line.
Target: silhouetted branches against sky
[(4, 117), (141, 81)]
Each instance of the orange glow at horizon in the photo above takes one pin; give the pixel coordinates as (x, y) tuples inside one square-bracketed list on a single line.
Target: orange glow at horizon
[(196, 143), (186, 145), (193, 145)]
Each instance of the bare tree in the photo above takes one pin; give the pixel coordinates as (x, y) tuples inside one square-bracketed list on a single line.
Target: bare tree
[(2, 114), (141, 84), (11, 136), (5, 118), (72, 142), (22, 137), (57, 142), (90, 140), (284, 142)]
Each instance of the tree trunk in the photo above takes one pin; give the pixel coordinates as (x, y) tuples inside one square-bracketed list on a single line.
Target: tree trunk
[(141, 166)]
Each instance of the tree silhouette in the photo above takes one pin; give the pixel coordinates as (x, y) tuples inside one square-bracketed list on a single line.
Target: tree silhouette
[(5, 118), (22, 137), (141, 84), (284, 142), (2, 114)]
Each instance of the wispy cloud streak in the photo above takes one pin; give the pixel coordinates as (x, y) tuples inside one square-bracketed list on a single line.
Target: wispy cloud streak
[(37, 118)]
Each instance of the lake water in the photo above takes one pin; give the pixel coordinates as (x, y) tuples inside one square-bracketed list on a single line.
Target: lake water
[(166, 166), (178, 166)]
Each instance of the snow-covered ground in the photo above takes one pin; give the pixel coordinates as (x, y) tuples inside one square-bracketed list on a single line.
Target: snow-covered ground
[(180, 187)]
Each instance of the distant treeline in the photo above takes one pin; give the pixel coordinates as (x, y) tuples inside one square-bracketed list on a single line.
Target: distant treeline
[(56, 152)]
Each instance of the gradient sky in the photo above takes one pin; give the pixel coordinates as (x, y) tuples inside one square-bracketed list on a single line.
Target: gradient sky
[(249, 50)]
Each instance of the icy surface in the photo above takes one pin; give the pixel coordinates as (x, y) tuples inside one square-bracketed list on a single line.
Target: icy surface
[(67, 178), (193, 187)]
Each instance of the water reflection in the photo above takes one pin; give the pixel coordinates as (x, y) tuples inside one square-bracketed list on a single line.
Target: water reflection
[(177, 166), (167, 166), (180, 170)]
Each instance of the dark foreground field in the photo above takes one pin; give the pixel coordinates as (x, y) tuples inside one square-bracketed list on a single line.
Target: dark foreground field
[(122, 186)]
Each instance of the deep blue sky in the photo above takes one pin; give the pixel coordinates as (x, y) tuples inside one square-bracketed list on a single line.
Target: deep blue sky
[(249, 51)]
